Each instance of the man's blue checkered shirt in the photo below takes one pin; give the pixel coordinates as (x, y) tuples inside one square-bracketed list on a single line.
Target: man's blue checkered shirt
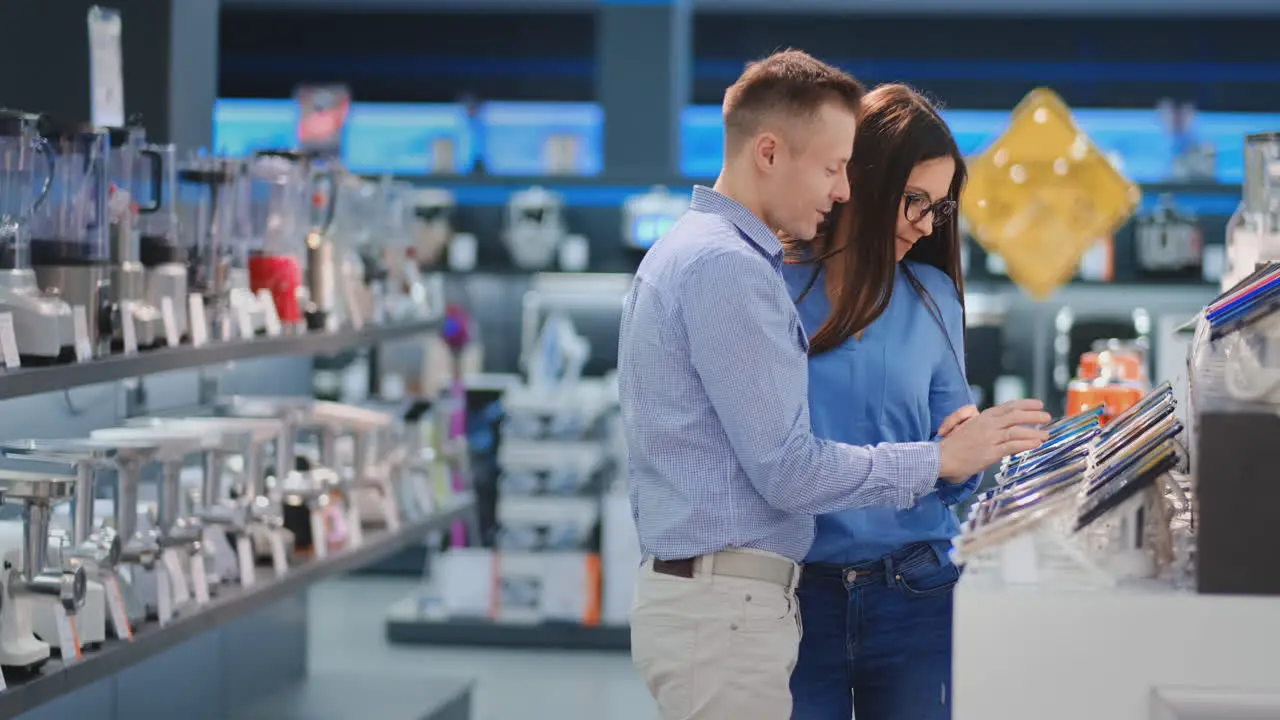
[(713, 380)]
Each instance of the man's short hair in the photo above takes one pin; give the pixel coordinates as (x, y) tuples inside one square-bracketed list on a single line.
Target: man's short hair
[(788, 85)]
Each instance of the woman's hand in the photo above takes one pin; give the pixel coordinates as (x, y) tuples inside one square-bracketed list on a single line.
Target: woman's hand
[(956, 419)]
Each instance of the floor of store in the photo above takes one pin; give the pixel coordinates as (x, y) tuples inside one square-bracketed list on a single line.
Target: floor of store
[(347, 635)]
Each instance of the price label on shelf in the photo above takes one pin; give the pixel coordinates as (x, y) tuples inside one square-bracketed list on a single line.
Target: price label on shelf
[(244, 314), (170, 319), (80, 328), (270, 315), (115, 607), (68, 637), (199, 325), (319, 535), (177, 577), (244, 557), (9, 342), (279, 556), (129, 325), (200, 579), (164, 597)]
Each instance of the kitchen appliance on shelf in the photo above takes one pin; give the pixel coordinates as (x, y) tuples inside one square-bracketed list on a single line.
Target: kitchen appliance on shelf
[(286, 190), (173, 536), (534, 228), (42, 322), (211, 212), (70, 242), (26, 578), (407, 293), (160, 248), (433, 211), (135, 177), (357, 218), (1253, 233)]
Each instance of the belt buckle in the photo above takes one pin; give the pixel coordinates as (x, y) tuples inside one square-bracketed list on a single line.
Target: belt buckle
[(853, 575)]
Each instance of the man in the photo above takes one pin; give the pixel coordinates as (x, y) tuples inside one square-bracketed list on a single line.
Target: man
[(726, 475)]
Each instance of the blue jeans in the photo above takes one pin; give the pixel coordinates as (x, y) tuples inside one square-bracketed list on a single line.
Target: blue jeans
[(877, 639)]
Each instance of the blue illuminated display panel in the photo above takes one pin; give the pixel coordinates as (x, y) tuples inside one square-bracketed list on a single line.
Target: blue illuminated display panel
[(517, 136), (407, 138), (242, 127)]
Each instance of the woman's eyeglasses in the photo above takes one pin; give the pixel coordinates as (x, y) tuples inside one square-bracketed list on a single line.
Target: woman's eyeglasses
[(918, 205)]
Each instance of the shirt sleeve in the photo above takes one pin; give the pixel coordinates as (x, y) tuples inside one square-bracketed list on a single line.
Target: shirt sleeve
[(745, 345), (949, 390)]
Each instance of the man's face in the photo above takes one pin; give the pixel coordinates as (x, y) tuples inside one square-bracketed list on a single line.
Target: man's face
[(809, 173)]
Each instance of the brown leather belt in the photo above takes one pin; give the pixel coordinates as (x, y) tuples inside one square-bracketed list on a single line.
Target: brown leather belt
[(751, 566)]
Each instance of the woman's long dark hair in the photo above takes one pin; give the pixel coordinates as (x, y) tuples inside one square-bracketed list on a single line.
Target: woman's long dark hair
[(898, 130)]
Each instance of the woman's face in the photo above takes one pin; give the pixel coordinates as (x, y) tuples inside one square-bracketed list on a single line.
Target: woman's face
[(928, 183)]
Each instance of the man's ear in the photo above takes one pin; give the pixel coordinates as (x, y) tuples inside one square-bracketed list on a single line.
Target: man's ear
[(764, 151)]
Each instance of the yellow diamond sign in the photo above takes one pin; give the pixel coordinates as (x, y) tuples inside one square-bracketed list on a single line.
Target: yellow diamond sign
[(1043, 194)]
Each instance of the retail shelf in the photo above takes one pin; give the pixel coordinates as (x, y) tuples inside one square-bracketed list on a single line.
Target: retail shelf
[(37, 380), (406, 627), (387, 698), (57, 678)]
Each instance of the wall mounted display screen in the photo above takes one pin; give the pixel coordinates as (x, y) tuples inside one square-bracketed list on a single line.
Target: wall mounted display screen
[(536, 138), (242, 127), (408, 139), (1142, 142)]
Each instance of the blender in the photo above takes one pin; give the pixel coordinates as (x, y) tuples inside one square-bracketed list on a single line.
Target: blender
[(405, 291), (41, 321), (131, 183), (211, 207), (356, 219), (284, 190), (163, 256), (70, 249)]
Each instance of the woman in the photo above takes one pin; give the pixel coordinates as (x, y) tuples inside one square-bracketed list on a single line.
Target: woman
[(881, 291)]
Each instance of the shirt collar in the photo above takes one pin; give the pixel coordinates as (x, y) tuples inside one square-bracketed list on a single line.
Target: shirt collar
[(753, 228)]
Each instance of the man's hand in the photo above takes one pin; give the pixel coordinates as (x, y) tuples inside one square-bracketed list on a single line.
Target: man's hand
[(979, 442), (956, 418)]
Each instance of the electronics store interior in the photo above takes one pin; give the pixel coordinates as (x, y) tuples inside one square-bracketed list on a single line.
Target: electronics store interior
[(315, 411)]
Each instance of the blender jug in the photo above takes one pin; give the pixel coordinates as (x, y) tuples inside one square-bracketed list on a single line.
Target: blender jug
[(160, 250), (286, 190), (357, 218), (134, 171), (70, 246), (42, 322), (211, 207)]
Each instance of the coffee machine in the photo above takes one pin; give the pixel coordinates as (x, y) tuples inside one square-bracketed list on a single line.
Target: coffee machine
[(1253, 234), (136, 174), (70, 246), (42, 321)]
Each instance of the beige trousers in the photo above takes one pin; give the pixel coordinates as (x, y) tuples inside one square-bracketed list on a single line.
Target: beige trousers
[(715, 647)]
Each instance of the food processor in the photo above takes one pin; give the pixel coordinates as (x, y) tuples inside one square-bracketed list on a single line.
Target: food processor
[(286, 189), (160, 249), (135, 174), (42, 322), (70, 246), (211, 206)]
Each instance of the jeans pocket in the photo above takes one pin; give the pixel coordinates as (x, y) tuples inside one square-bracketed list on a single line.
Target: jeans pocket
[(928, 580)]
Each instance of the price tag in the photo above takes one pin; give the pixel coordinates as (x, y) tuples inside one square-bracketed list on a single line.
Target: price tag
[(355, 533), (391, 512), (244, 316), (9, 342), (200, 579), (80, 327), (170, 320), (270, 316), (129, 325), (355, 313), (279, 556), (68, 638), (115, 607), (177, 577), (244, 556), (106, 69), (199, 325), (164, 597), (319, 536)]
